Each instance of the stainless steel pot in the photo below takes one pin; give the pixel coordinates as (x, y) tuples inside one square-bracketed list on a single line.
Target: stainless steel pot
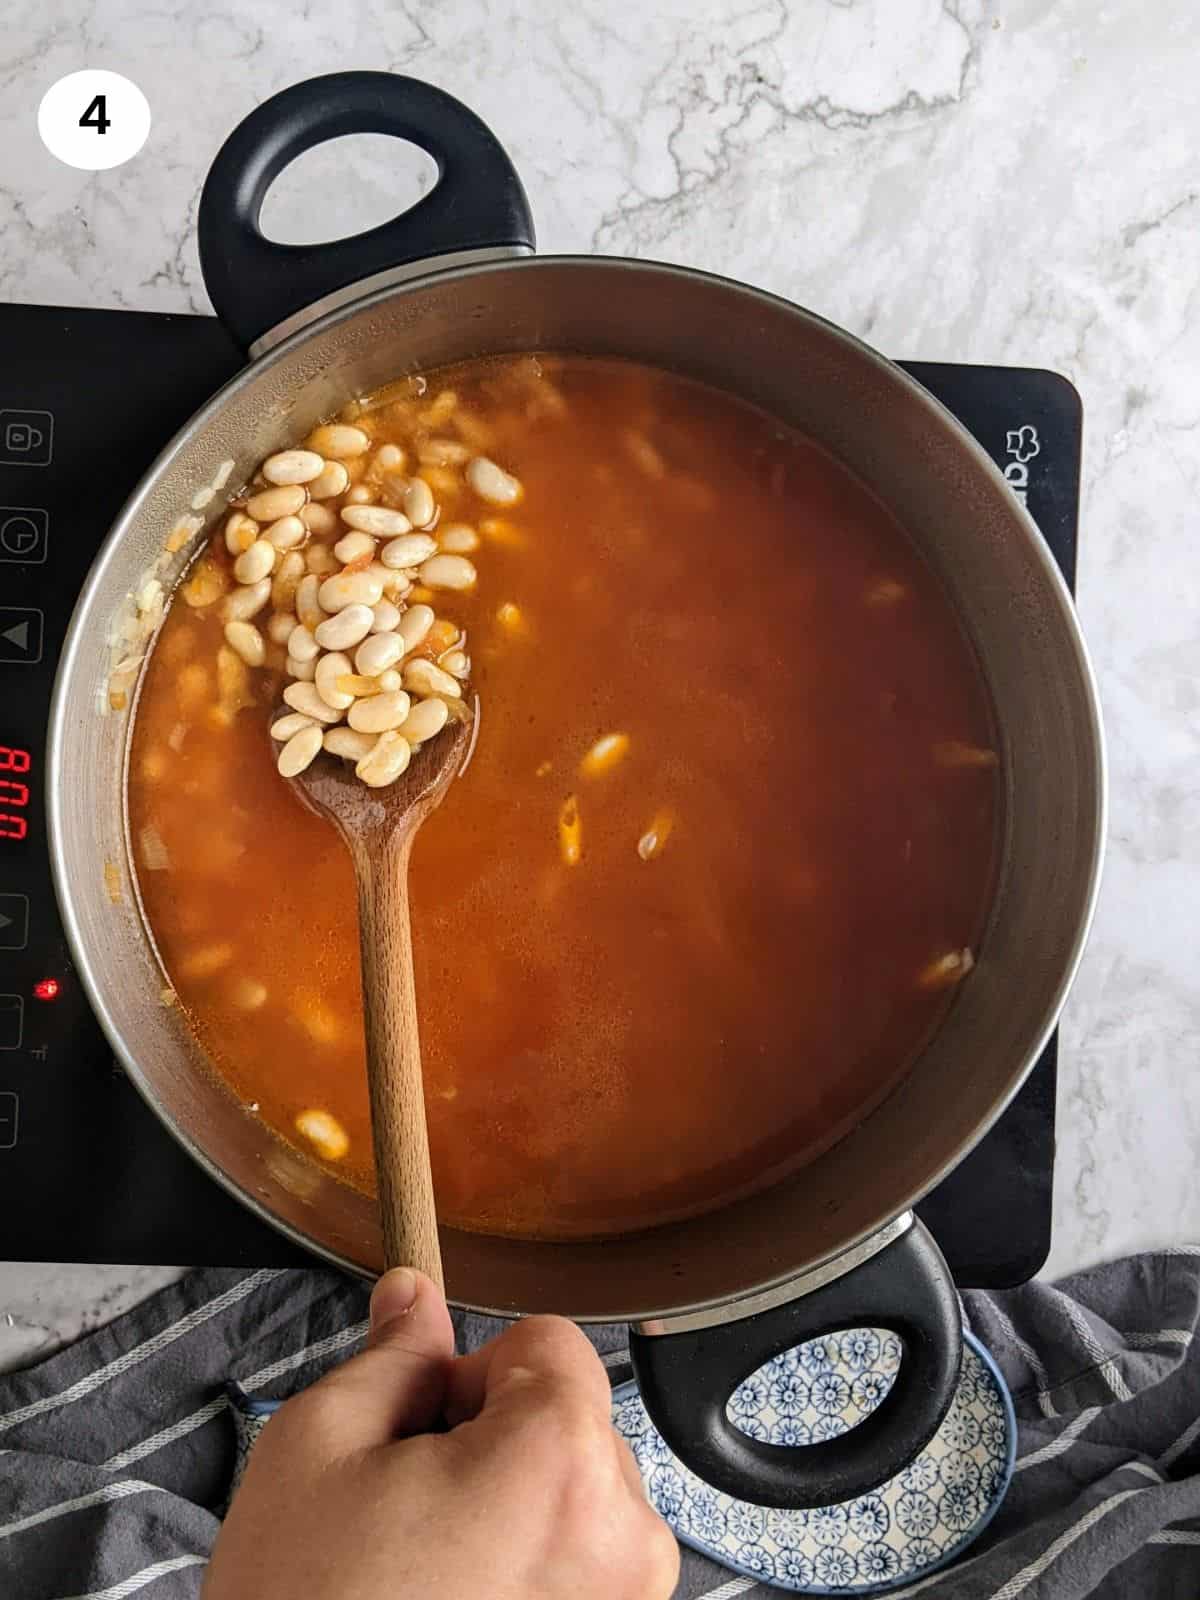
[(834, 1245)]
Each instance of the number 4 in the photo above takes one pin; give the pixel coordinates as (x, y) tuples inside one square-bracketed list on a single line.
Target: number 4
[(96, 116)]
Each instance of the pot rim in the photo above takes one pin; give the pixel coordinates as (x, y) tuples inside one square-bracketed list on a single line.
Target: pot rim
[(74, 645)]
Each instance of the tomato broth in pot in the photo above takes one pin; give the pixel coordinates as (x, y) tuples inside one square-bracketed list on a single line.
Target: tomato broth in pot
[(722, 851)]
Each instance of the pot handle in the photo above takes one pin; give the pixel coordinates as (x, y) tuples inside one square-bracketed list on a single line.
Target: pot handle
[(476, 203), (687, 1378)]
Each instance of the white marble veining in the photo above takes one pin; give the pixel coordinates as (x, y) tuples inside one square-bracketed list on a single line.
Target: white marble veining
[(45, 1305), (1009, 182)]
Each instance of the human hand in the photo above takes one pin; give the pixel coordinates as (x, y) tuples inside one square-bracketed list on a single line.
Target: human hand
[(530, 1495)]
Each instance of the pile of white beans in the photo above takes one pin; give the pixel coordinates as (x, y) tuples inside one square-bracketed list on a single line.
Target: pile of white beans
[(371, 670)]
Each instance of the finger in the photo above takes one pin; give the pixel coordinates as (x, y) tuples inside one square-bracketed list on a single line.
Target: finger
[(397, 1385), (541, 1355)]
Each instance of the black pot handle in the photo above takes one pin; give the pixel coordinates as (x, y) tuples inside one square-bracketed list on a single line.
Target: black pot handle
[(687, 1378), (476, 203)]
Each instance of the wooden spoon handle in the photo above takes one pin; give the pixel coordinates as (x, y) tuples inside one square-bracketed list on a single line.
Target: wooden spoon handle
[(401, 1137)]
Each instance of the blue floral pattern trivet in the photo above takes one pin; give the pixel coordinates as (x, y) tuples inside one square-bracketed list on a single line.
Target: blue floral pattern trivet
[(917, 1522)]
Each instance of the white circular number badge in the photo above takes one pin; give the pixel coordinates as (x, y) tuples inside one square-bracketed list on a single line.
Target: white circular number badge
[(94, 119)]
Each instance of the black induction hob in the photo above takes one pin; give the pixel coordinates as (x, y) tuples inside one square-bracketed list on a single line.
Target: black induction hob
[(87, 399)]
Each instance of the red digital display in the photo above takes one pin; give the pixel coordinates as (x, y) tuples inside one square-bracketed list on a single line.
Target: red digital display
[(14, 795)]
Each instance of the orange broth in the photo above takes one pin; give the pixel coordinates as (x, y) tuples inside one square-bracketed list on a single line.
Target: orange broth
[(617, 1040)]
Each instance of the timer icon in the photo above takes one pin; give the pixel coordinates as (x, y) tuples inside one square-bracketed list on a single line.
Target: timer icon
[(24, 534)]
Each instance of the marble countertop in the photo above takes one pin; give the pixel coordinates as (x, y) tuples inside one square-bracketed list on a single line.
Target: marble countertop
[(969, 181)]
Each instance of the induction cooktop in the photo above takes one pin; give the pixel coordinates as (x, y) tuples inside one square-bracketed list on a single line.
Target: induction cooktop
[(87, 1173)]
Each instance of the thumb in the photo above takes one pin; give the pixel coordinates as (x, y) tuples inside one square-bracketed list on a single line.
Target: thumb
[(397, 1386)]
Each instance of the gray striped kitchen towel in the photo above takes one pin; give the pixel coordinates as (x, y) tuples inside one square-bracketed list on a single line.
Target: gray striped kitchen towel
[(116, 1454)]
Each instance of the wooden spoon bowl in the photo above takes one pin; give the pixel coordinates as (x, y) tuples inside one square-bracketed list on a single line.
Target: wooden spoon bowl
[(379, 826)]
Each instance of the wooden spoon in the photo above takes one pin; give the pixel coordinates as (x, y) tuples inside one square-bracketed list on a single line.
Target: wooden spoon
[(379, 826)]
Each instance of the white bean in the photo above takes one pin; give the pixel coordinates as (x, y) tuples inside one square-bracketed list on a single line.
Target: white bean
[(281, 627), (353, 546), (423, 678), (303, 697), (285, 533), (386, 761), (299, 752), (440, 409), (360, 495), (324, 1132), (293, 466), (414, 625), (387, 617), (408, 551), (338, 439), (319, 519), (443, 636), (946, 970), (247, 601), (240, 532), (350, 589), (330, 668), (348, 744), (345, 629), (643, 454), (381, 521), (389, 458), (308, 607), (425, 719), (377, 653), (249, 994), (458, 539), (492, 483), (390, 681), (150, 597), (395, 581), (208, 959), (332, 479), (301, 644), (392, 486), (419, 505), (379, 713), (244, 639), (320, 559), (271, 504), (292, 723), (255, 563), (448, 572), (444, 453), (606, 753), (285, 580), (302, 671), (456, 662)]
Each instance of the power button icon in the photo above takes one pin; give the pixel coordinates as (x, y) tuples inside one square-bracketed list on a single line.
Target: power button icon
[(24, 534)]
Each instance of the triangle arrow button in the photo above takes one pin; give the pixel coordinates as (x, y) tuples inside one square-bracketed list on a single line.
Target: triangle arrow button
[(14, 921), (20, 634)]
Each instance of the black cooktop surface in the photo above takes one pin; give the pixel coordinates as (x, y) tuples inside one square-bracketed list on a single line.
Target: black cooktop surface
[(87, 399)]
